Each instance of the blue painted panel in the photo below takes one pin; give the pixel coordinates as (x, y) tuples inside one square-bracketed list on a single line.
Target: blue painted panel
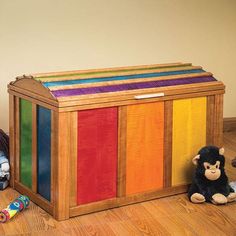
[(44, 152), (123, 77)]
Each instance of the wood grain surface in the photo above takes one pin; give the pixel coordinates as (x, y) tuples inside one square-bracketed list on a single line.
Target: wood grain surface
[(167, 216), (44, 152), (97, 154), (26, 143), (12, 135), (144, 148), (189, 135)]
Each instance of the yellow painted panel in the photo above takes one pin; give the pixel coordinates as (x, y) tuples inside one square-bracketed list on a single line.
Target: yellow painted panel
[(189, 135)]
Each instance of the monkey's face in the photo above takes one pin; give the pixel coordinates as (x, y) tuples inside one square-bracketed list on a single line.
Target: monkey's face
[(212, 172)]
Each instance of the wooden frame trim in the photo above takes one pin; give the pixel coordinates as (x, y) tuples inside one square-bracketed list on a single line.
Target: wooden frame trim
[(52, 100), (12, 139), (218, 121), (111, 103), (93, 207), (30, 84), (214, 120), (60, 164), (129, 94), (210, 119), (17, 139), (122, 127), (34, 100), (54, 153), (154, 194), (123, 98), (34, 148), (168, 125), (73, 157), (122, 201), (36, 198)]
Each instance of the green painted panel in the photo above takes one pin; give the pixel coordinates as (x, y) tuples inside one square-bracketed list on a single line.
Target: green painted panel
[(26, 143)]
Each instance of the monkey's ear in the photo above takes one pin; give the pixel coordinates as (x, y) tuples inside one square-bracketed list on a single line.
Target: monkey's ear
[(221, 151), (195, 159)]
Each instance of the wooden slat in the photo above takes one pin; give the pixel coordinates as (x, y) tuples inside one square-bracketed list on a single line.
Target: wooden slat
[(34, 148), (17, 139), (134, 101), (129, 81), (168, 116), (121, 179), (12, 138), (36, 198), (129, 94), (119, 73), (210, 119), (117, 202), (73, 157), (37, 75), (61, 153), (218, 121)]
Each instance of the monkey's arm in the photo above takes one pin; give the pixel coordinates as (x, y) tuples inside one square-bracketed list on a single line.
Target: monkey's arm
[(193, 189), (195, 195)]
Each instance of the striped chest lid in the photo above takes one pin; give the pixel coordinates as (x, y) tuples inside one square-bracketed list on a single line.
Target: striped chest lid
[(76, 85)]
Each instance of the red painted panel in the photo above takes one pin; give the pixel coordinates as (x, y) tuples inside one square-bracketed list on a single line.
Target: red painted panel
[(97, 154)]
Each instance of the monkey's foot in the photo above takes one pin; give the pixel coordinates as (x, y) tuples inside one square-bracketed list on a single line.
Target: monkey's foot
[(231, 197), (197, 198), (219, 198)]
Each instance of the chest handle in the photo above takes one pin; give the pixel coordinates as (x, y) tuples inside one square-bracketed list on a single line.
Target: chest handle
[(150, 95)]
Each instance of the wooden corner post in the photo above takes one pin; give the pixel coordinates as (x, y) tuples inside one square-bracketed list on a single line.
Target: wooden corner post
[(215, 120), (218, 121), (12, 137), (60, 164)]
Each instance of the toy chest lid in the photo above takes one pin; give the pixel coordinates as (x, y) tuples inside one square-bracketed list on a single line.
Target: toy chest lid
[(116, 86)]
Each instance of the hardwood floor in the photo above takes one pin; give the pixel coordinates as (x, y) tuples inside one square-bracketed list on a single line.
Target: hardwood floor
[(167, 216)]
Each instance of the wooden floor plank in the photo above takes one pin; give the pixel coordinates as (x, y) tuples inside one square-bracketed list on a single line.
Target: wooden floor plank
[(167, 216)]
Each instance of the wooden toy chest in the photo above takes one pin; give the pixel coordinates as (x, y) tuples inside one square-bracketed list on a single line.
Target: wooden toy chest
[(85, 141)]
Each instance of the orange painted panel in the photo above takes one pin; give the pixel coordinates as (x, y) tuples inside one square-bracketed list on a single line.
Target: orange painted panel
[(144, 150)]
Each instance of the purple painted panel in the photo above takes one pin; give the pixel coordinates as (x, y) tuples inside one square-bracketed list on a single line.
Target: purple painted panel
[(131, 86)]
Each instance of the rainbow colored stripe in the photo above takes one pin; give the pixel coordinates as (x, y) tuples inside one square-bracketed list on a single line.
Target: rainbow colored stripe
[(76, 84)]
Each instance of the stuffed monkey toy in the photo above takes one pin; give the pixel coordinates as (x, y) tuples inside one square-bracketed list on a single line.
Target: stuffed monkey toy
[(210, 183), (233, 184)]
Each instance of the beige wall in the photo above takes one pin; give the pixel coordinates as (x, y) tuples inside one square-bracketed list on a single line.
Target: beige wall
[(50, 35)]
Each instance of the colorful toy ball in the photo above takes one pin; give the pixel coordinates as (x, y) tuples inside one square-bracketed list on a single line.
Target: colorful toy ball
[(18, 205)]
